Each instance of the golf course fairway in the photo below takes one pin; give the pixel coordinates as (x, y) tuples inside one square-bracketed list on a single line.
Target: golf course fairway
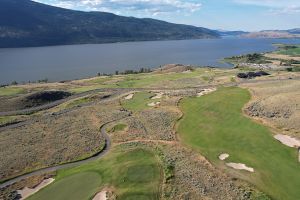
[(214, 124), (133, 175)]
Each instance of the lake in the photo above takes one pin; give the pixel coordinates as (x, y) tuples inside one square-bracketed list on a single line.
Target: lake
[(78, 61)]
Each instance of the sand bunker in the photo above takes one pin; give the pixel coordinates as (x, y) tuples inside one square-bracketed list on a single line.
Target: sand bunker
[(26, 192), (130, 96), (223, 156), (240, 166), (158, 95), (153, 104), (206, 91), (100, 196), (287, 140)]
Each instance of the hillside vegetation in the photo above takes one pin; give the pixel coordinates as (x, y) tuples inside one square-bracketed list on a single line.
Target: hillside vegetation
[(28, 23)]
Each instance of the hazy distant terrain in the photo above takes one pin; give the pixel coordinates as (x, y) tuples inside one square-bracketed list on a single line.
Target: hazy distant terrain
[(293, 33)]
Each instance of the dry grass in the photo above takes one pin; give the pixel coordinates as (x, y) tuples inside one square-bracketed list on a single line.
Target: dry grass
[(281, 56), (277, 104), (51, 139)]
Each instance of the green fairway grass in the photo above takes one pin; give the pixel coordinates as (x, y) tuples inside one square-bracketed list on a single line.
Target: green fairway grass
[(291, 52), (7, 91), (145, 80), (7, 119), (214, 124), (139, 101), (77, 186), (77, 102), (84, 89), (133, 174), (154, 80)]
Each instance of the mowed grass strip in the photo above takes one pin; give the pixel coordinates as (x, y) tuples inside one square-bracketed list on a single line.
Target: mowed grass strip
[(117, 127), (132, 174), (9, 91), (214, 124)]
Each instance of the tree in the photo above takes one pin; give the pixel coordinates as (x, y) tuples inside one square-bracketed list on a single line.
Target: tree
[(14, 83)]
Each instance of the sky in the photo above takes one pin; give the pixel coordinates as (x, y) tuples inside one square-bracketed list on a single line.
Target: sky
[(247, 15)]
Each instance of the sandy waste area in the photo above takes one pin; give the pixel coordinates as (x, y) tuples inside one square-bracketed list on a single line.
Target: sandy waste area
[(158, 95), (101, 195), (26, 192), (240, 166), (130, 96), (223, 156), (154, 104), (206, 91), (288, 140)]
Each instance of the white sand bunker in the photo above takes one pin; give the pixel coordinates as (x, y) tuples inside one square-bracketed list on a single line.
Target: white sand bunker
[(206, 91), (288, 140), (130, 96), (154, 104), (26, 192), (101, 196), (223, 156), (158, 95), (240, 166)]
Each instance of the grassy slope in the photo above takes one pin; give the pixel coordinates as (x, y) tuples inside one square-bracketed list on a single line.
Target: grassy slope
[(214, 124), (134, 175)]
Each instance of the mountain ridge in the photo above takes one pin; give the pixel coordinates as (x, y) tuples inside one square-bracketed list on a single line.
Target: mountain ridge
[(25, 23)]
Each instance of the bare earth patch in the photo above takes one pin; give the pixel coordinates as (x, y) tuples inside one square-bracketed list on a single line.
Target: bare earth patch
[(287, 140), (26, 192), (206, 91), (240, 166), (223, 156)]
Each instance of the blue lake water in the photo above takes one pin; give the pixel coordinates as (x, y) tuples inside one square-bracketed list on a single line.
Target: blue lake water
[(78, 61)]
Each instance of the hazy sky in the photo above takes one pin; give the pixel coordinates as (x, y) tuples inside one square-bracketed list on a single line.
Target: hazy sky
[(248, 15)]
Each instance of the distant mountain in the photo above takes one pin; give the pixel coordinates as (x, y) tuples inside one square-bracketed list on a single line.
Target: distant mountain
[(292, 33), (27, 23)]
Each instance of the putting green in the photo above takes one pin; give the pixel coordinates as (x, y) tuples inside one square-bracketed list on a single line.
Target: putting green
[(139, 101), (214, 124), (132, 174)]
